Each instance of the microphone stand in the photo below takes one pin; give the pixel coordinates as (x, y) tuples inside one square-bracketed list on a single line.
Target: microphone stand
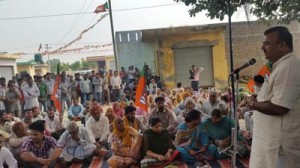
[(234, 131)]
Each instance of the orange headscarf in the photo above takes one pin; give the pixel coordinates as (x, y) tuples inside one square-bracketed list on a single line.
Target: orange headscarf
[(135, 123), (123, 136)]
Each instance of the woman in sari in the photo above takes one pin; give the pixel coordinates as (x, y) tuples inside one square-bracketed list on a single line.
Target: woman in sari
[(125, 144), (159, 150), (189, 105), (191, 139), (118, 111), (123, 101), (219, 132), (109, 114)]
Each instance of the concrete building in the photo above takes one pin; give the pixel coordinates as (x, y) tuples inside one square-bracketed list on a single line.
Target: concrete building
[(8, 65), (32, 68), (103, 61), (170, 52)]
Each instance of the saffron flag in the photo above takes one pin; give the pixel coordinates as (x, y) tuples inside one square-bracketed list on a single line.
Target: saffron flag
[(56, 94), (101, 8), (265, 71), (141, 92)]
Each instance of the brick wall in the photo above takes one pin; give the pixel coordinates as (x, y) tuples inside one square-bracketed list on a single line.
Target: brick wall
[(247, 39)]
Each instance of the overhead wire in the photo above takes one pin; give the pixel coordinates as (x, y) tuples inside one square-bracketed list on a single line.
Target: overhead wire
[(83, 13), (73, 24)]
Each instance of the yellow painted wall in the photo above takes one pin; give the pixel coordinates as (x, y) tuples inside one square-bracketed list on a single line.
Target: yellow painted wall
[(220, 63), (31, 69), (41, 70), (28, 68), (108, 60)]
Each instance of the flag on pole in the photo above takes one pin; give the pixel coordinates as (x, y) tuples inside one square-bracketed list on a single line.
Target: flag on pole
[(101, 8), (141, 92), (265, 71), (56, 94), (40, 47)]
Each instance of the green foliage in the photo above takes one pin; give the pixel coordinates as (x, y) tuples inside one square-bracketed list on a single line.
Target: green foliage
[(83, 65), (64, 66), (53, 65), (284, 11), (88, 65), (75, 66)]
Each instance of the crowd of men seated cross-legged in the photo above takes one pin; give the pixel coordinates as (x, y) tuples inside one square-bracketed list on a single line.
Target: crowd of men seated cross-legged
[(179, 126)]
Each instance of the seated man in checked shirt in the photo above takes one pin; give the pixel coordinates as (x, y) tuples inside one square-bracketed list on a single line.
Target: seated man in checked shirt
[(39, 150)]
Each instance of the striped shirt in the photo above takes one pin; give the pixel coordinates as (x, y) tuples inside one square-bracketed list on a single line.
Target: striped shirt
[(30, 146)]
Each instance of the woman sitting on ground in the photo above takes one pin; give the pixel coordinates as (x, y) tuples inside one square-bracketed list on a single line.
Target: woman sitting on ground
[(218, 129), (191, 139), (125, 144), (158, 147), (118, 111)]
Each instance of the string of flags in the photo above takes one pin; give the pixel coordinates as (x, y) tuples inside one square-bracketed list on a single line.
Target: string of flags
[(76, 39), (63, 49)]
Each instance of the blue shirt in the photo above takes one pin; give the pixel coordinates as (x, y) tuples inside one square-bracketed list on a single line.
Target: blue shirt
[(75, 110)]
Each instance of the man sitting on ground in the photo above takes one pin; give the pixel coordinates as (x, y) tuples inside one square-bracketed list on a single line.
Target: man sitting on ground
[(77, 144), (53, 122), (98, 127), (132, 121), (28, 117), (20, 133), (39, 150), (6, 156), (75, 111), (166, 116), (36, 114)]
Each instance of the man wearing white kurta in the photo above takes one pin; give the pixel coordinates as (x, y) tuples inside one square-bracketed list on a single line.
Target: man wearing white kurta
[(276, 113), (98, 125), (6, 156), (31, 93), (76, 143)]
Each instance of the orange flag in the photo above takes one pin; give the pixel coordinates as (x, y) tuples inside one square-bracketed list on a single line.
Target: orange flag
[(265, 71), (56, 94), (141, 92)]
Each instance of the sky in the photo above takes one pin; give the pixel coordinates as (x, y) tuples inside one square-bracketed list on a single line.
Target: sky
[(26, 35)]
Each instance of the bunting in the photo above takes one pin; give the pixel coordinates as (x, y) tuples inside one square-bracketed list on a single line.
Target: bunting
[(77, 39)]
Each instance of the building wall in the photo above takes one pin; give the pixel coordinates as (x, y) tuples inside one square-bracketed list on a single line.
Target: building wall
[(110, 63), (166, 56), (247, 41), (28, 68), (40, 70), (8, 62), (132, 51)]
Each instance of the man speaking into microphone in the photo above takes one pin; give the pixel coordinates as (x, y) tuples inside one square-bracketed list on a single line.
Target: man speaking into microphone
[(276, 114)]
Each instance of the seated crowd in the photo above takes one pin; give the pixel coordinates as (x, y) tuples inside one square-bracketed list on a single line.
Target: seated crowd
[(179, 126)]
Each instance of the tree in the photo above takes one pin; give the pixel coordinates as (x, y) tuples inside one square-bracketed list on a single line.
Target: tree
[(284, 11), (53, 64), (65, 66), (75, 66), (88, 65)]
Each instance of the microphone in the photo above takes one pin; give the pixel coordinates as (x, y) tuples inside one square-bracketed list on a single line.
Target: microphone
[(250, 62)]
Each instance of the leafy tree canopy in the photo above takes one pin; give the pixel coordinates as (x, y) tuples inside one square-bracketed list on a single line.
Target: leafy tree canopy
[(284, 11)]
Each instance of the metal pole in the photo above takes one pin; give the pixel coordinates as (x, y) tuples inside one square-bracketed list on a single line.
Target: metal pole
[(113, 34), (47, 48), (234, 93)]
